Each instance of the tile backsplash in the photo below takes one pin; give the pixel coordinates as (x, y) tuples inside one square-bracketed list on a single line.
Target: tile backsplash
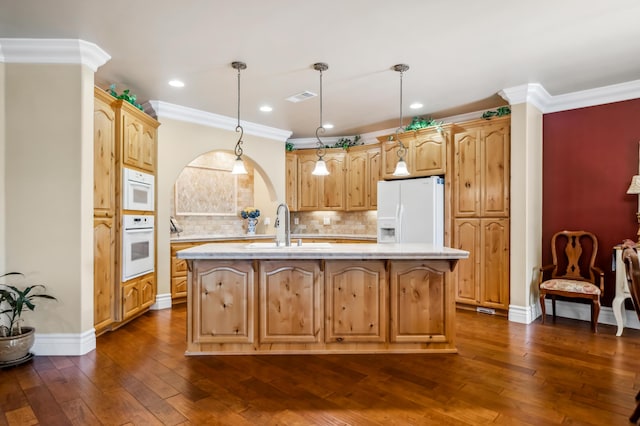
[(340, 223)]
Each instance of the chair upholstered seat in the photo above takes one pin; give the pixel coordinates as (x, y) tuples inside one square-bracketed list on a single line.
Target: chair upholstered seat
[(572, 286)]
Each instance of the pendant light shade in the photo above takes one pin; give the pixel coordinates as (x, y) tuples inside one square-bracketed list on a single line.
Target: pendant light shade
[(401, 166), (321, 166), (238, 165)]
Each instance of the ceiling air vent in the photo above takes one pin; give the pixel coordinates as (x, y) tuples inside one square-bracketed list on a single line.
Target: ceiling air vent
[(301, 96)]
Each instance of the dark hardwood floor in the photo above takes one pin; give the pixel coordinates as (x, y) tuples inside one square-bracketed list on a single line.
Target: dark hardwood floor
[(505, 373)]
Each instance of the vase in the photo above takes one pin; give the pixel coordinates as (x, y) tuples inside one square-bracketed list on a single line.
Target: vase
[(251, 226)]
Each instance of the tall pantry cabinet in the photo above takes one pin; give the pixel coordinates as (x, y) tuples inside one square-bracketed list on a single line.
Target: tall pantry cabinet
[(481, 173), (123, 137)]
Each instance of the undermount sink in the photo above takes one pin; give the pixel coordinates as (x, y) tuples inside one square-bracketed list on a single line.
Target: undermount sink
[(272, 245)]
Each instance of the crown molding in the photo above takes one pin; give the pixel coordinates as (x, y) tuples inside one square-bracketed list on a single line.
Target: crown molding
[(535, 93), (191, 115), (52, 51)]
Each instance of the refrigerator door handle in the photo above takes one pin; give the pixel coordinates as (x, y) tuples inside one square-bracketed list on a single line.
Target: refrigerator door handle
[(399, 214)]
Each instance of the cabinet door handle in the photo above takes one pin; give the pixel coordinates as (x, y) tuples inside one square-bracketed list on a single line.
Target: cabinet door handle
[(339, 339)]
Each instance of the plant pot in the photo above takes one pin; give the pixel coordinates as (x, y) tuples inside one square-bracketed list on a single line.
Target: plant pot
[(17, 347)]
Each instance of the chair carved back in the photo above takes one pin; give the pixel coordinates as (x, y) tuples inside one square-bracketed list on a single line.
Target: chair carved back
[(574, 255)]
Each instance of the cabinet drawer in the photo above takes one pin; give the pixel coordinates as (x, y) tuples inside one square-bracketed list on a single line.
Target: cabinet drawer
[(178, 267)]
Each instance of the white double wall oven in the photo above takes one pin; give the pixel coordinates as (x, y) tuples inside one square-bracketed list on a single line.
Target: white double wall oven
[(138, 230)]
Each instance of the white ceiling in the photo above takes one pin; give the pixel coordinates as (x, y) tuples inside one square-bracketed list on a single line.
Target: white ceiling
[(461, 53)]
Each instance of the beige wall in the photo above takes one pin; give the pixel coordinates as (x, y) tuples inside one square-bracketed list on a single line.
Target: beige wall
[(49, 190), (3, 214), (526, 210), (179, 143)]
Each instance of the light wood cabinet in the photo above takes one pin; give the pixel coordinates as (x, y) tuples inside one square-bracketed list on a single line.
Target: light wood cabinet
[(426, 152), (104, 155), (483, 278), (418, 301), (480, 204), (356, 307), (138, 295), (351, 184), (321, 192), (224, 303), (138, 136), (122, 136), (482, 169), (104, 210), (291, 180), (290, 297), (103, 273), (363, 174)]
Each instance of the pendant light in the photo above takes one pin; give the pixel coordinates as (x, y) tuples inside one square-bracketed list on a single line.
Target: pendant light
[(321, 166), (238, 165), (401, 167)]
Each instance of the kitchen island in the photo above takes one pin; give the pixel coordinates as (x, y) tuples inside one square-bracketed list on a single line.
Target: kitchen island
[(258, 298)]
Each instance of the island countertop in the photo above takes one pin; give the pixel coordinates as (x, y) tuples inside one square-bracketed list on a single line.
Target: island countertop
[(334, 251)]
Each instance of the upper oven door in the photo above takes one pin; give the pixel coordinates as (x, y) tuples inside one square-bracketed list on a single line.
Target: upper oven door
[(137, 190)]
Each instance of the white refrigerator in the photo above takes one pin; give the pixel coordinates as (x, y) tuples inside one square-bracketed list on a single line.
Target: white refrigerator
[(411, 211)]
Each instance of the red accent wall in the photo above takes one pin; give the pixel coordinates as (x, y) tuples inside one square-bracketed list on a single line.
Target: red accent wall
[(589, 157)]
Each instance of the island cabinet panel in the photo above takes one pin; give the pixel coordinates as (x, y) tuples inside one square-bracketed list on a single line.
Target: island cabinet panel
[(290, 297), (356, 301), (418, 301), (224, 302)]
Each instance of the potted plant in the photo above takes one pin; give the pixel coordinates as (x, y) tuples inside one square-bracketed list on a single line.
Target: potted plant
[(15, 340)]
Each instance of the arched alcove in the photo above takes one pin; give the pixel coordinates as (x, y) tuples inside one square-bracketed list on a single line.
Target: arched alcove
[(206, 198)]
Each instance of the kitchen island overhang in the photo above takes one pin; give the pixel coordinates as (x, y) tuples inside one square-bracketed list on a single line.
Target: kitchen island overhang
[(320, 298)]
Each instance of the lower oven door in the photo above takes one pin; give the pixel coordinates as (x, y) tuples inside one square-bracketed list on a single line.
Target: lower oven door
[(137, 253)]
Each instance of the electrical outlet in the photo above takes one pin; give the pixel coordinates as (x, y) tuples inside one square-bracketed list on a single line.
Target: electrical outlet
[(267, 221), (296, 221), (327, 220)]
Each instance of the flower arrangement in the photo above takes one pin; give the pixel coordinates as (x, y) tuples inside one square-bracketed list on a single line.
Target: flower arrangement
[(250, 213)]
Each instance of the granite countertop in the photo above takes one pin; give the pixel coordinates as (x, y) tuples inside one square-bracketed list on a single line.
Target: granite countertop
[(358, 251), (266, 237)]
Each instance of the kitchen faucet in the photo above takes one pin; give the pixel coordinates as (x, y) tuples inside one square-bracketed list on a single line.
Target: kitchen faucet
[(287, 224)]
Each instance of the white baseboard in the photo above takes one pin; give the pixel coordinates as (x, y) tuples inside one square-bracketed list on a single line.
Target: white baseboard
[(65, 343), (163, 301), (522, 314), (581, 311)]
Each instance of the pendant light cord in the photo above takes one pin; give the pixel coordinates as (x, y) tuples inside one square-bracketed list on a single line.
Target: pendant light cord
[(238, 149), (320, 66), (401, 148)]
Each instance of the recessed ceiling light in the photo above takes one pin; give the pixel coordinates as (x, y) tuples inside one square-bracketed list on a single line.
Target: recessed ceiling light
[(328, 126), (416, 105), (266, 108), (176, 83)]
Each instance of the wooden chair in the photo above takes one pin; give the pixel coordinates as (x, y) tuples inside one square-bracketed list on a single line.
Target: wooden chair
[(632, 268), (573, 273)]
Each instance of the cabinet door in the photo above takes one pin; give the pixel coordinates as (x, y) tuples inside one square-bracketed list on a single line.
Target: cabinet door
[(374, 158), (291, 183), (332, 187), (466, 178), (389, 159), (290, 302), (418, 301), (131, 140), (495, 170), (148, 148), (223, 302), (308, 184), (147, 291), (131, 298), (429, 153), (355, 301), (466, 276), (103, 273), (357, 180), (104, 158), (494, 275)]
